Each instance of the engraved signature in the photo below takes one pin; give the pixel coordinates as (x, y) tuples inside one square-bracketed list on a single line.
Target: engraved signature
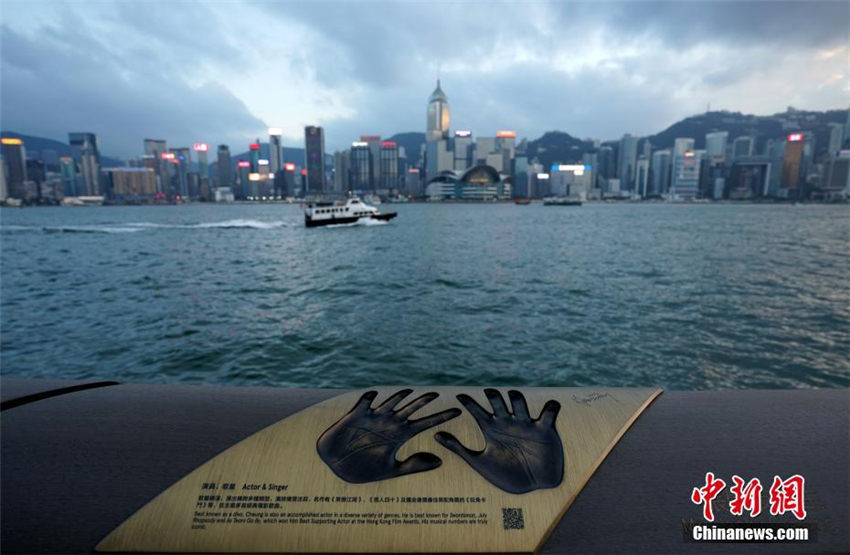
[(592, 398)]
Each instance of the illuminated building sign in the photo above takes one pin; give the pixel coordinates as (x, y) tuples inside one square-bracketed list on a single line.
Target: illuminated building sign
[(506, 134), (167, 155), (289, 166), (271, 175), (254, 146), (303, 172), (201, 147), (275, 131), (463, 133), (263, 162), (388, 144), (11, 141), (689, 154), (370, 138), (542, 176), (253, 177), (577, 169), (795, 137), (356, 144), (413, 170), (570, 167), (243, 164), (66, 159)]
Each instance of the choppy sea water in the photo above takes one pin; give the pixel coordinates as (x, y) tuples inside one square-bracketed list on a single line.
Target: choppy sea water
[(678, 296)]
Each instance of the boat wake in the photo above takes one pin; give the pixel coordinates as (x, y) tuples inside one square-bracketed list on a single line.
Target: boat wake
[(362, 222), (227, 224), (135, 227)]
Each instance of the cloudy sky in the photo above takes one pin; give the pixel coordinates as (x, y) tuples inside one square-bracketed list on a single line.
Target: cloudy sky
[(225, 71)]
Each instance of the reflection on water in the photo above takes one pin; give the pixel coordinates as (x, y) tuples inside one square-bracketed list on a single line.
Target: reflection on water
[(685, 297)]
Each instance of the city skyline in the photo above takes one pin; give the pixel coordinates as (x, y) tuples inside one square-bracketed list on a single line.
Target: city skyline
[(54, 72)]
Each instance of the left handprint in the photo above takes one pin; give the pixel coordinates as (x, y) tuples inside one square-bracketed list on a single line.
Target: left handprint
[(361, 447)]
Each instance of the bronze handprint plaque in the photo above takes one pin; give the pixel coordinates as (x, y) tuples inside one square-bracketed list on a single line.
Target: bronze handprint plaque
[(362, 446), (390, 469), (520, 454)]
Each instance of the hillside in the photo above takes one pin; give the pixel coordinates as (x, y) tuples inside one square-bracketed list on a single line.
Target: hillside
[(35, 145), (558, 146), (412, 143), (763, 128)]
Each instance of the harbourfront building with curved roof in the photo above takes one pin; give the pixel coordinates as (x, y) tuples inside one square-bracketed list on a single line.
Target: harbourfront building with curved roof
[(481, 182)]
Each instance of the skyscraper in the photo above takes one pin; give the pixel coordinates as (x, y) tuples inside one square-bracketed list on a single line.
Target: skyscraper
[(224, 169), (182, 163), (660, 170), (607, 166), (342, 171), (686, 176), (681, 146), (438, 158), (374, 142), (837, 175), (506, 147), (846, 142), (462, 150), (642, 176), (314, 153), (361, 166), (15, 158), (792, 165), (37, 174), (4, 191), (626, 162), (389, 167), (162, 167), (201, 151), (521, 175), (89, 159), (836, 136), (439, 117), (68, 171), (275, 149), (742, 147), (254, 156), (715, 145)]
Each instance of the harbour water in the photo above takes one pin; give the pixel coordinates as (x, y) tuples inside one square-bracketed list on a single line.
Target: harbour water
[(678, 296)]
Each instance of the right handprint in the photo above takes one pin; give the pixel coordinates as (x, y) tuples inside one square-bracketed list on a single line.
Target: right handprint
[(520, 454)]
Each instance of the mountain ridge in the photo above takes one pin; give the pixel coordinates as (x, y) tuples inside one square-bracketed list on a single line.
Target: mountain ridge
[(557, 146)]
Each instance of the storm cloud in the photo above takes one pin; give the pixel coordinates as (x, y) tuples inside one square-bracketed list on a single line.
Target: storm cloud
[(223, 72)]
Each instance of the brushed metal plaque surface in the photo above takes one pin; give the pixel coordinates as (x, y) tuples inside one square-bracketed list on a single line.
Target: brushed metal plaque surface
[(393, 469)]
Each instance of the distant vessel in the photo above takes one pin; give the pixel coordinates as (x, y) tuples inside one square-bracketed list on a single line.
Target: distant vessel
[(332, 213), (561, 201), (522, 201), (374, 199)]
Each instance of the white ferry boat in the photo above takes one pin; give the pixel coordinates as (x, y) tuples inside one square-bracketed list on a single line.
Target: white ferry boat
[(331, 213)]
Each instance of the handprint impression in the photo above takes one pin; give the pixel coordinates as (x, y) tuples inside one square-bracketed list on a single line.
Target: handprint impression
[(361, 447), (521, 454)]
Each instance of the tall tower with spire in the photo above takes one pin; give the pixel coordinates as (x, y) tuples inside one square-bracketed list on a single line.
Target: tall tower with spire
[(438, 115)]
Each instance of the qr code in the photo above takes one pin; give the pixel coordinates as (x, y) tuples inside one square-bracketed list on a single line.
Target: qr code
[(512, 519)]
